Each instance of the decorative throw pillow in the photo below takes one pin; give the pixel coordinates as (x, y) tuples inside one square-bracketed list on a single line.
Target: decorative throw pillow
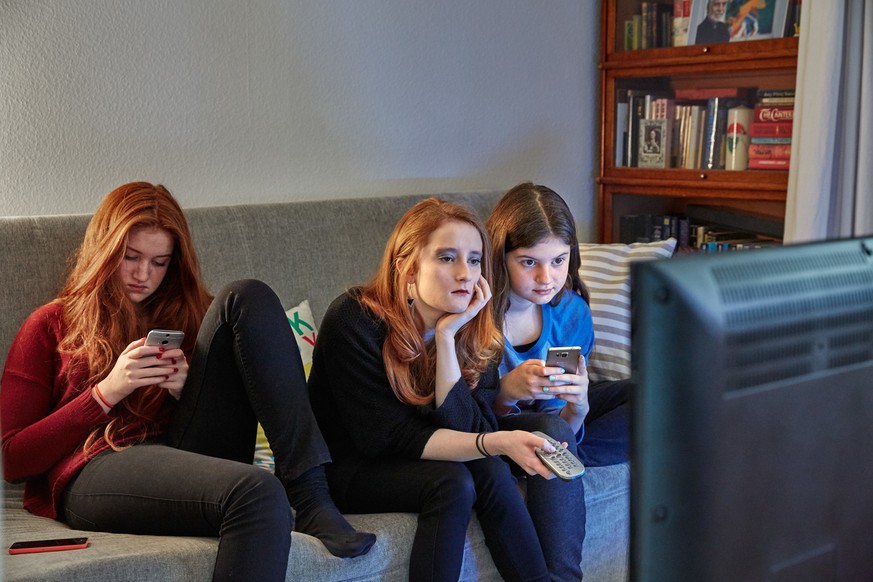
[(303, 325), (605, 270)]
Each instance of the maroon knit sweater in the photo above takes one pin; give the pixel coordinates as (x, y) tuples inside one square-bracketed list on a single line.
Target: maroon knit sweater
[(45, 417)]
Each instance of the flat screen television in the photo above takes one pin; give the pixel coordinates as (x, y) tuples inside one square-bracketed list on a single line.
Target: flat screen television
[(752, 416)]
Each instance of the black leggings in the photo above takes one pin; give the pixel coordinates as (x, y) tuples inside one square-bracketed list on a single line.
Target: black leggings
[(444, 494), (200, 482)]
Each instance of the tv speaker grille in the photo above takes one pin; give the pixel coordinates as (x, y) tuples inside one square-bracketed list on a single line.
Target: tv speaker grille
[(783, 323)]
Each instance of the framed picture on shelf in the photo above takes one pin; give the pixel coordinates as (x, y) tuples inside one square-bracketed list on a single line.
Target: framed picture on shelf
[(716, 21), (654, 143)]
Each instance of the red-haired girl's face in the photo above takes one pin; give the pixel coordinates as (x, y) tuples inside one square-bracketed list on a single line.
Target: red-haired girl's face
[(145, 262), (449, 266)]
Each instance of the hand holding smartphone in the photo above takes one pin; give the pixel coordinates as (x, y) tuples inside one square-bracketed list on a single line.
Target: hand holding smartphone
[(566, 357), (166, 338), (56, 545)]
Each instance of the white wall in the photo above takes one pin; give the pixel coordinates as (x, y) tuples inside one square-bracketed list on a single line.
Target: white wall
[(228, 101)]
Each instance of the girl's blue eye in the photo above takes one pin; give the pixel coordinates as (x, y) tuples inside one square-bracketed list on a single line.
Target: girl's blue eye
[(475, 261), (447, 258), (528, 262), (560, 260)]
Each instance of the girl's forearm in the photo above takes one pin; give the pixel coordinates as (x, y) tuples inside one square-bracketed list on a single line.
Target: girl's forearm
[(450, 445), (448, 369)]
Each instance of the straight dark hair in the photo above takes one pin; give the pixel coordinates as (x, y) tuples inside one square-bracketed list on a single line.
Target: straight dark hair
[(527, 215)]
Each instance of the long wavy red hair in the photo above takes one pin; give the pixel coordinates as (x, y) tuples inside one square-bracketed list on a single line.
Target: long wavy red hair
[(409, 360), (100, 318)]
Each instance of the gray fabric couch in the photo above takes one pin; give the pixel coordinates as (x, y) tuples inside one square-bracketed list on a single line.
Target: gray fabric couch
[(304, 250)]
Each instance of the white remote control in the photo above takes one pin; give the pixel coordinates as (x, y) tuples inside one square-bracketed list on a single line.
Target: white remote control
[(562, 462)]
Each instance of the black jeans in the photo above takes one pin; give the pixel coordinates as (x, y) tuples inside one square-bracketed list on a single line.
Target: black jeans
[(556, 507), (200, 481), (444, 495)]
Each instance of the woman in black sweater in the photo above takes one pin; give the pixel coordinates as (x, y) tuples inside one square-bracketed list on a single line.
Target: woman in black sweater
[(403, 381)]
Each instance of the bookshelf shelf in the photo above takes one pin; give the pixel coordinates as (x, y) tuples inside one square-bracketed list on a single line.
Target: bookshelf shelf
[(778, 53), (768, 64), (757, 180)]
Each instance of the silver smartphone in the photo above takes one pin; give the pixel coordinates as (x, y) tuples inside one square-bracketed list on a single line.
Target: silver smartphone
[(566, 357), (167, 338)]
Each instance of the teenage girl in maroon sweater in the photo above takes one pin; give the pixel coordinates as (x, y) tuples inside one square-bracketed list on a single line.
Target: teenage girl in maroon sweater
[(111, 435)]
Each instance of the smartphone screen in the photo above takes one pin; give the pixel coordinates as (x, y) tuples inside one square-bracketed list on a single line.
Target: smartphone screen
[(55, 545), (566, 357)]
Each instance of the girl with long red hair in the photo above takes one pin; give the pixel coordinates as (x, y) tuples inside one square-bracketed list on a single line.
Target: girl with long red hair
[(109, 434), (403, 382)]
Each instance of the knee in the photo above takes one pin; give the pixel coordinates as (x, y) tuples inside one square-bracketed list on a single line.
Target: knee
[(247, 296), (247, 288), (452, 488), (260, 495), (613, 392), (494, 480), (553, 425)]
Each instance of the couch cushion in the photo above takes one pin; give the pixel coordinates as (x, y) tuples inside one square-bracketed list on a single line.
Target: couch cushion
[(605, 269), (303, 325), (133, 558)]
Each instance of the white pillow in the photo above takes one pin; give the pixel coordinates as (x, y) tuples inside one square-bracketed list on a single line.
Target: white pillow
[(303, 325), (605, 270)]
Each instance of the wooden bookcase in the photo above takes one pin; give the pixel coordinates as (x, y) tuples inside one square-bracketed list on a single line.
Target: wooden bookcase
[(764, 64)]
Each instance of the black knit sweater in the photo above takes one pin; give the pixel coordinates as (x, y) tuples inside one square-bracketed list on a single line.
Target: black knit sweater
[(358, 413)]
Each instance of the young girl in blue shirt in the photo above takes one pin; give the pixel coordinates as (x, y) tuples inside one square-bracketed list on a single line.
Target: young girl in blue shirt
[(541, 302)]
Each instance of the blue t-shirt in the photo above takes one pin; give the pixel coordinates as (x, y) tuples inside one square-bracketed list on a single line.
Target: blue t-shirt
[(566, 324)]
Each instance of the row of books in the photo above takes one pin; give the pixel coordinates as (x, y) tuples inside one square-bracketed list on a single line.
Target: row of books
[(652, 27), (770, 130), (704, 228), (689, 128), (665, 23)]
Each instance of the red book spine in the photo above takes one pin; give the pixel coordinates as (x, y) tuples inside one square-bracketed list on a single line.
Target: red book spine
[(774, 113), (768, 164), (774, 129), (727, 92), (770, 151)]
